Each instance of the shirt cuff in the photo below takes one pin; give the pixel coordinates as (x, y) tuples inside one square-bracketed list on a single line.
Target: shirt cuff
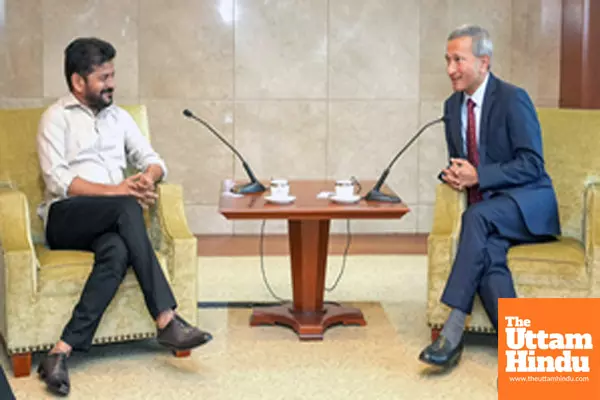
[(63, 181)]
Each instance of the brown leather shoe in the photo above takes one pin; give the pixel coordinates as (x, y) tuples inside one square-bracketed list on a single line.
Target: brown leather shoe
[(53, 370), (179, 335)]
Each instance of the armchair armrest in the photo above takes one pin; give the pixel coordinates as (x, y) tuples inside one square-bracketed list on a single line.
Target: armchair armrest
[(591, 226), (172, 213), (449, 206), (18, 261), (15, 232), (179, 245)]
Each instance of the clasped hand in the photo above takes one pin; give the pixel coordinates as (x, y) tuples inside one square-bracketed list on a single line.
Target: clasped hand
[(141, 186), (461, 174)]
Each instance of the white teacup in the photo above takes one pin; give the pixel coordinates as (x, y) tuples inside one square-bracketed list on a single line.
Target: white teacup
[(344, 188), (280, 188)]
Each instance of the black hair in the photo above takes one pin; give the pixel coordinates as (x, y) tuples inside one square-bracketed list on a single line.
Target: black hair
[(82, 55)]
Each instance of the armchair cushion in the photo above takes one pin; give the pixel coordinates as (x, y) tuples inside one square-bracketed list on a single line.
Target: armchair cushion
[(559, 264), (64, 272)]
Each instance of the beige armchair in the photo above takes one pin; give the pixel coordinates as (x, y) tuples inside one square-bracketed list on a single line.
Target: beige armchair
[(39, 287), (569, 267)]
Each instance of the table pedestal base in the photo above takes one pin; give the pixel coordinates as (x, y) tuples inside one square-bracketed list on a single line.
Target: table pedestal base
[(308, 325)]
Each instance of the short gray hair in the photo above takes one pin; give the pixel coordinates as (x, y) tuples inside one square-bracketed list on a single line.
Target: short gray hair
[(482, 43)]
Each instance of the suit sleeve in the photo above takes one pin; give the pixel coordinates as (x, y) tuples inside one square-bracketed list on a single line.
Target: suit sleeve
[(452, 150), (527, 163)]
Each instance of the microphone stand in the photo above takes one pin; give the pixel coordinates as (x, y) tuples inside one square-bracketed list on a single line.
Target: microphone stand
[(375, 194), (254, 186)]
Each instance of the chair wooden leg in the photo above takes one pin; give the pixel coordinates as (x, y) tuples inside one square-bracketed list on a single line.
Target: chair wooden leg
[(21, 364), (182, 353), (435, 332)]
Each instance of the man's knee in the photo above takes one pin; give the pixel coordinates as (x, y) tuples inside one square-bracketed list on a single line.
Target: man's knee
[(112, 250), (473, 215), (129, 205), (129, 212)]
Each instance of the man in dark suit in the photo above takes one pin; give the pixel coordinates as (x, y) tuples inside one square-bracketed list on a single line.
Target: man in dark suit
[(495, 148)]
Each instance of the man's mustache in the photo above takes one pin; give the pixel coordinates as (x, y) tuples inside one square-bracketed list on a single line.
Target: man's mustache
[(104, 91)]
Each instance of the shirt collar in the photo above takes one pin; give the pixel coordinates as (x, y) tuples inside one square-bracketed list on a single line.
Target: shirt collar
[(477, 97), (70, 101)]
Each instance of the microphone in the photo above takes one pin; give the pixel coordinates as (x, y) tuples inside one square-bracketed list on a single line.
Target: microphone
[(375, 193), (254, 186)]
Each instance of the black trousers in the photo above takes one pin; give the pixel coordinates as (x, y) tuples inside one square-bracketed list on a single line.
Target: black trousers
[(113, 228)]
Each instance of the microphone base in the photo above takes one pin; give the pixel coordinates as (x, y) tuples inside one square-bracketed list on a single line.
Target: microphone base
[(249, 188), (375, 195)]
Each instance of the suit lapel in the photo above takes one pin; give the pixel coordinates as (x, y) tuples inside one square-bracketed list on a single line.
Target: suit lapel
[(489, 98)]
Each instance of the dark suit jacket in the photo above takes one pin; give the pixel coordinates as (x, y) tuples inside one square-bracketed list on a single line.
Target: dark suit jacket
[(510, 152)]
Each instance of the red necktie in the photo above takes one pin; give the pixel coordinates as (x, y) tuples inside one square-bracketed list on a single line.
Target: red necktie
[(472, 152)]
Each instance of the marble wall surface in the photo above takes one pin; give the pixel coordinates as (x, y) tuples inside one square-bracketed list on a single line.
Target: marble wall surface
[(304, 88)]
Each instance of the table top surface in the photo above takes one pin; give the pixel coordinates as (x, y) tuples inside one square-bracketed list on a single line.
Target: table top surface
[(307, 206)]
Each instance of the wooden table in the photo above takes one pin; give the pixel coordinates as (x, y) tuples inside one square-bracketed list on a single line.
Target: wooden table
[(308, 230)]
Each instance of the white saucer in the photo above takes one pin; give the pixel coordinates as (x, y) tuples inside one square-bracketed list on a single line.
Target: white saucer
[(280, 200), (346, 200)]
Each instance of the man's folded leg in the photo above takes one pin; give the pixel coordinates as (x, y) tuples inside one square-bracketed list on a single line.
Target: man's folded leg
[(488, 230), (110, 266), (123, 215), (173, 331), (461, 287), (113, 228), (497, 282)]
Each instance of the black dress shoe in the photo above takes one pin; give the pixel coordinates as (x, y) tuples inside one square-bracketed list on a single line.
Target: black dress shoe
[(53, 370), (179, 335), (440, 353)]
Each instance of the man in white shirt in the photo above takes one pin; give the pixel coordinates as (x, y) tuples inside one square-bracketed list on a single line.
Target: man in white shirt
[(84, 144)]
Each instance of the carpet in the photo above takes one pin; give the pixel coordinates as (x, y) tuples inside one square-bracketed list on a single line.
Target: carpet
[(378, 361)]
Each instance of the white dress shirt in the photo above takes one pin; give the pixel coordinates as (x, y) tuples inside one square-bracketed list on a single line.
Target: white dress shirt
[(477, 98), (73, 142)]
